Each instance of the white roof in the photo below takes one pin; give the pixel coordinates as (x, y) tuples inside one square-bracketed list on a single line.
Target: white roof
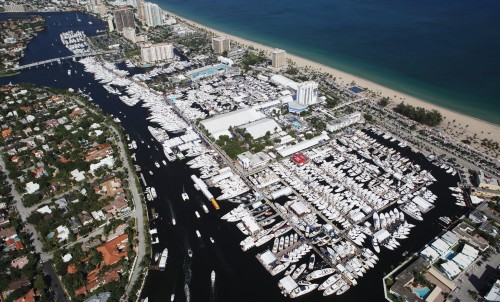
[(250, 224), (219, 124), (357, 216), (78, 175), (107, 161), (450, 268), (288, 284), (267, 104), (303, 145), (462, 260), (62, 233), (440, 246), (284, 81), (286, 139), (67, 258), (450, 238), (422, 203), (429, 253), (494, 293), (382, 235), (259, 128), (267, 257), (299, 208), (32, 187), (470, 252), (44, 210)]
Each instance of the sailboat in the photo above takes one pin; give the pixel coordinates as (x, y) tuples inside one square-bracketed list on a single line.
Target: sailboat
[(77, 19)]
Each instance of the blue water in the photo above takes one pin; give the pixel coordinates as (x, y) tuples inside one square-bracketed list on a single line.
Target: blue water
[(239, 275), (450, 255), (445, 52), (422, 292), (207, 72)]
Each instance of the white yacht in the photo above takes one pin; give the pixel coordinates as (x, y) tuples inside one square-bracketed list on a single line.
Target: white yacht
[(163, 260)]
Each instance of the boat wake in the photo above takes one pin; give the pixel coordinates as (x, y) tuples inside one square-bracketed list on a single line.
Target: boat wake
[(172, 213), (187, 278), (212, 291)]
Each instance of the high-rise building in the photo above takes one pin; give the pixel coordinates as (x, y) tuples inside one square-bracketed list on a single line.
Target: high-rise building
[(129, 33), (278, 57), (151, 53), (141, 13), (307, 93), (124, 17), (111, 26), (153, 14), (132, 3), (221, 44)]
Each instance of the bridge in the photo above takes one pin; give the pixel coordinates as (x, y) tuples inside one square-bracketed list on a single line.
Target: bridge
[(88, 54)]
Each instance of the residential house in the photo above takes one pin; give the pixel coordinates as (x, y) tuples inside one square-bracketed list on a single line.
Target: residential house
[(99, 152), (19, 262), (114, 250), (109, 188), (85, 218), (117, 205)]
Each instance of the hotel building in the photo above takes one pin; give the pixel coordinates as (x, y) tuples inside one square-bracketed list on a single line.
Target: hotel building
[(307, 93), (221, 44), (151, 53), (124, 17), (278, 58), (153, 14)]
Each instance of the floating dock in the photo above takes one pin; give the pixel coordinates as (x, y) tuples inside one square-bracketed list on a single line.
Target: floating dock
[(200, 185)]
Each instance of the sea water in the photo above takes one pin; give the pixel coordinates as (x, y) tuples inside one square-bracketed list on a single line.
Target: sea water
[(444, 52)]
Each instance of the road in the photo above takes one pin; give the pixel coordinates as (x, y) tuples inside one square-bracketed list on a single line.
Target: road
[(48, 269), (475, 278), (138, 213), (430, 144), (24, 214), (55, 282)]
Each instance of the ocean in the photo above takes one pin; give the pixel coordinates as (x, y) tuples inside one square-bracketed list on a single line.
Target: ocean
[(240, 277), (442, 52)]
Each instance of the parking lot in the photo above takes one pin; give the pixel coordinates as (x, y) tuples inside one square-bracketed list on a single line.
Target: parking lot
[(478, 277)]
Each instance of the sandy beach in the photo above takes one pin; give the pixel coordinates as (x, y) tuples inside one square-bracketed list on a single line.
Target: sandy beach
[(455, 125)]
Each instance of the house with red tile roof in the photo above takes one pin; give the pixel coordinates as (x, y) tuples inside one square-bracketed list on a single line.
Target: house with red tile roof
[(114, 250), (99, 152)]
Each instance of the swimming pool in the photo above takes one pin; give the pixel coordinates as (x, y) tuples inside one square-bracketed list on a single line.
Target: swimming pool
[(203, 72), (297, 124), (450, 255), (50, 235), (422, 292)]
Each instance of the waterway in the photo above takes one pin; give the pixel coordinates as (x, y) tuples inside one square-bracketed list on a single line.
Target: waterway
[(240, 277), (442, 52)]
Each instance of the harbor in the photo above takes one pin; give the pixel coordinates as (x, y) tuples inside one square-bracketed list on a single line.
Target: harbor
[(314, 229)]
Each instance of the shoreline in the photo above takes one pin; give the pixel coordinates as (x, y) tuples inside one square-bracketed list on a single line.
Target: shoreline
[(455, 125)]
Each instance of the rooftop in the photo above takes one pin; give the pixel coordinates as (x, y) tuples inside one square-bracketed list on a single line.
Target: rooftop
[(114, 250)]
